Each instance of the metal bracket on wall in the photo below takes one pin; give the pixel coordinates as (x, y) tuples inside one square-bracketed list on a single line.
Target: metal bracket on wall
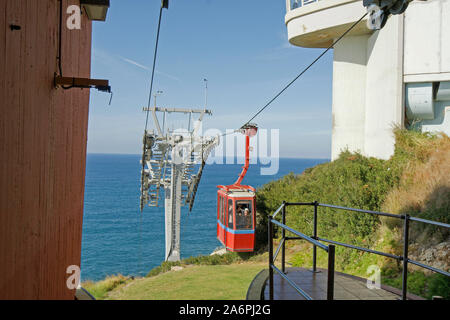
[(15, 27), (379, 11), (69, 83)]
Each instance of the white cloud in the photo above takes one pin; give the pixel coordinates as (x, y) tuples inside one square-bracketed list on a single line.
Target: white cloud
[(109, 58), (141, 66), (135, 63)]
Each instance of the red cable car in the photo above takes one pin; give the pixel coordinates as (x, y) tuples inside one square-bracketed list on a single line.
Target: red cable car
[(236, 209)]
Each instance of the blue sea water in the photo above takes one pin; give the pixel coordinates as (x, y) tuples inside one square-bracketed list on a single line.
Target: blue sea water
[(118, 239)]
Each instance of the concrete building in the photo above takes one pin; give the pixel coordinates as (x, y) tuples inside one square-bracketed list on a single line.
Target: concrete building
[(399, 75)]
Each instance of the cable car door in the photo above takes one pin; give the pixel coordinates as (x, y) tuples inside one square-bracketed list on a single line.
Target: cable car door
[(221, 219)]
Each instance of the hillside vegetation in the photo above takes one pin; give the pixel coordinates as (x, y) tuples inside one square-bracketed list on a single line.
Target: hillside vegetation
[(416, 180)]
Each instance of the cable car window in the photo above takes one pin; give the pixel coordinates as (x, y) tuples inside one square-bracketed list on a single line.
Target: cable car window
[(220, 208), (244, 215), (224, 221), (230, 214)]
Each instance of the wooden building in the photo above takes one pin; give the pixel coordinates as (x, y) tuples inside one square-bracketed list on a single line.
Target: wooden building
[(43, 138)]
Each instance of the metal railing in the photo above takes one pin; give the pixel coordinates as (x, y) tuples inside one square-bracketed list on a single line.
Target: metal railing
[(316, 241)]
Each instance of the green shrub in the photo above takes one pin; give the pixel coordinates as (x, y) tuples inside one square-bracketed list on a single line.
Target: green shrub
[(367, 183), (439, 285), (419, 283), (226, 259), (100, 289), (351, 181)]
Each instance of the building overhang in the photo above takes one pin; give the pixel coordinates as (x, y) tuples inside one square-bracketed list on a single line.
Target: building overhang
[(317, 24)]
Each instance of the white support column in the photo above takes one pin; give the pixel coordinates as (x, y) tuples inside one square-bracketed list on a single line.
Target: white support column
[(168, 220), (349, 94), (173, 214), (385, 89)]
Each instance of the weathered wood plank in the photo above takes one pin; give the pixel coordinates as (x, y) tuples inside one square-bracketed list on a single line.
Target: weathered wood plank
[(43, 136), (3, 165)]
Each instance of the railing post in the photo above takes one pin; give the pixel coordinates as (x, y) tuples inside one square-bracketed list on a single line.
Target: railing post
[(270, 243), (330, 284), (405, 258), (316, 204), (283, 249)]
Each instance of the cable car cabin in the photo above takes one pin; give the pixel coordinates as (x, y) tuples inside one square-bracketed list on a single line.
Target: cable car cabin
[(236, 219), (236, 209)]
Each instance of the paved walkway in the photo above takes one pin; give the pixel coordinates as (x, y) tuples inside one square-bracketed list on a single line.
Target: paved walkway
[(346, 287)]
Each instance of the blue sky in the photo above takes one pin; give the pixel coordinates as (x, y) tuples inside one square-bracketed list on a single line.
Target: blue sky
[(241, 47)]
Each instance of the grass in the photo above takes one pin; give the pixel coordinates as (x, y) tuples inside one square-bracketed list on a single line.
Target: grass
[(101, 289), (226, 259), (217, 277), (202, 282)]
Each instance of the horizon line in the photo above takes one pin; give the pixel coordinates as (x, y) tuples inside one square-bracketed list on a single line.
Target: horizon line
[(135, 154)]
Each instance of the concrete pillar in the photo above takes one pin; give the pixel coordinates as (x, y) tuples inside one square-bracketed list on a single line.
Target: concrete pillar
[(349, 95), (385, 89)]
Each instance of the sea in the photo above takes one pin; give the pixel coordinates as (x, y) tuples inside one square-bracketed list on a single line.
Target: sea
[(119, 239)]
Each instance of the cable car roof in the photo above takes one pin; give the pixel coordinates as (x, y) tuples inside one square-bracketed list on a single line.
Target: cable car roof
[(237, 192)]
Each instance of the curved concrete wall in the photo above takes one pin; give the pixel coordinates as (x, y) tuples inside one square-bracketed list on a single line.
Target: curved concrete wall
[(317, 24), (371, 69)]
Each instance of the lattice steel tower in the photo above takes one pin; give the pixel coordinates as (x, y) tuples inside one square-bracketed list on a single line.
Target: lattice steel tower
[(174, 161)]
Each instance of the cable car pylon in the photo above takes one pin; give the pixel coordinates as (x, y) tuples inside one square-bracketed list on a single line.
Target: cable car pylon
[(170, 159)]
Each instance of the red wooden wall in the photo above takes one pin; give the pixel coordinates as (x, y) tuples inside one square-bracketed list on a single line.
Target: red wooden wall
[(43, 136)]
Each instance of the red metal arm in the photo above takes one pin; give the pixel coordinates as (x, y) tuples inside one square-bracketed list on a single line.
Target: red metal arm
[(249, 131), (247, 161)]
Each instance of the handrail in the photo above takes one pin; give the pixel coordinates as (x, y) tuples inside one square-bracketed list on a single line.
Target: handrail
[(280, 246), (292, 283), (393, 256), (278, 211), (300, 203), (301, 235), (330, 249), (429, 267), (439, 224), (391, 215)]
